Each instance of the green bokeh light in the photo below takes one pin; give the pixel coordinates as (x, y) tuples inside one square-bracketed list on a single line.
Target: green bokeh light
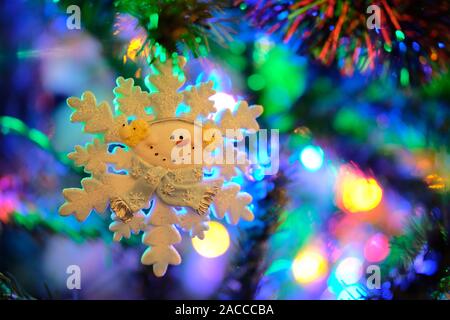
[(349, 121), (400, 35), (387, 47), (404, 77), (285, 82), (256, 82), (237, 47)]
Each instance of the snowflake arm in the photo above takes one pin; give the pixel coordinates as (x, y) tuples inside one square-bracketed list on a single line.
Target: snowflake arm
[(92, 157), (241, 163), (124, 230), (98, 118), (160, 239), (195, 224), (232, 203), (197, 97), (166, 99), (230, 168), (244, 117), (131, 100), (80, 202)]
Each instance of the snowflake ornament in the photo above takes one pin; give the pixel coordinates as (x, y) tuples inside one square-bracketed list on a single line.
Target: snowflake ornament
[(147, 157)]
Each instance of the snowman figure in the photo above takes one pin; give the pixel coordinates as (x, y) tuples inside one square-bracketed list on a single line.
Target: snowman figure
[(147, 157)]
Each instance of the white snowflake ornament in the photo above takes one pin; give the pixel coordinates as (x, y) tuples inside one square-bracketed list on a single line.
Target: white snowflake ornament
[(158, 162)]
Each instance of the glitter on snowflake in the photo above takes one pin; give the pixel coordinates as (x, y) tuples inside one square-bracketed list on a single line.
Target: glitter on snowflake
[(156, 163)]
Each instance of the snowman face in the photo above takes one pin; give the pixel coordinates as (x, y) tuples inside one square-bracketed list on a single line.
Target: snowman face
[(169, 144)]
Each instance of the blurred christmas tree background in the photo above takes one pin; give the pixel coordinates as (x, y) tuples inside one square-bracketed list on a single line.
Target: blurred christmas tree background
[(364, 121)]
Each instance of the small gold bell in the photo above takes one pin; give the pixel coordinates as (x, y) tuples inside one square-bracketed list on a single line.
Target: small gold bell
[(121, 209)]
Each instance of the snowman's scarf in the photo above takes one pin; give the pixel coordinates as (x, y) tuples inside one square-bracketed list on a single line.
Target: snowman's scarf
[(182, 187)]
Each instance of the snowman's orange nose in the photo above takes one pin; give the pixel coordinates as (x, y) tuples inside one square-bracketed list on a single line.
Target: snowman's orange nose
[(181, 143)]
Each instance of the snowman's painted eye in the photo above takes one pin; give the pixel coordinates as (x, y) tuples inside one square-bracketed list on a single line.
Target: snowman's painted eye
[(181, 137), (172, 137)]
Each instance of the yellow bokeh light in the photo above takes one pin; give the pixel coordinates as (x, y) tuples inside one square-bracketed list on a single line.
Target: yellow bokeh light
[(360, 194), (215, 243), (133, 48), (309, 266)]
